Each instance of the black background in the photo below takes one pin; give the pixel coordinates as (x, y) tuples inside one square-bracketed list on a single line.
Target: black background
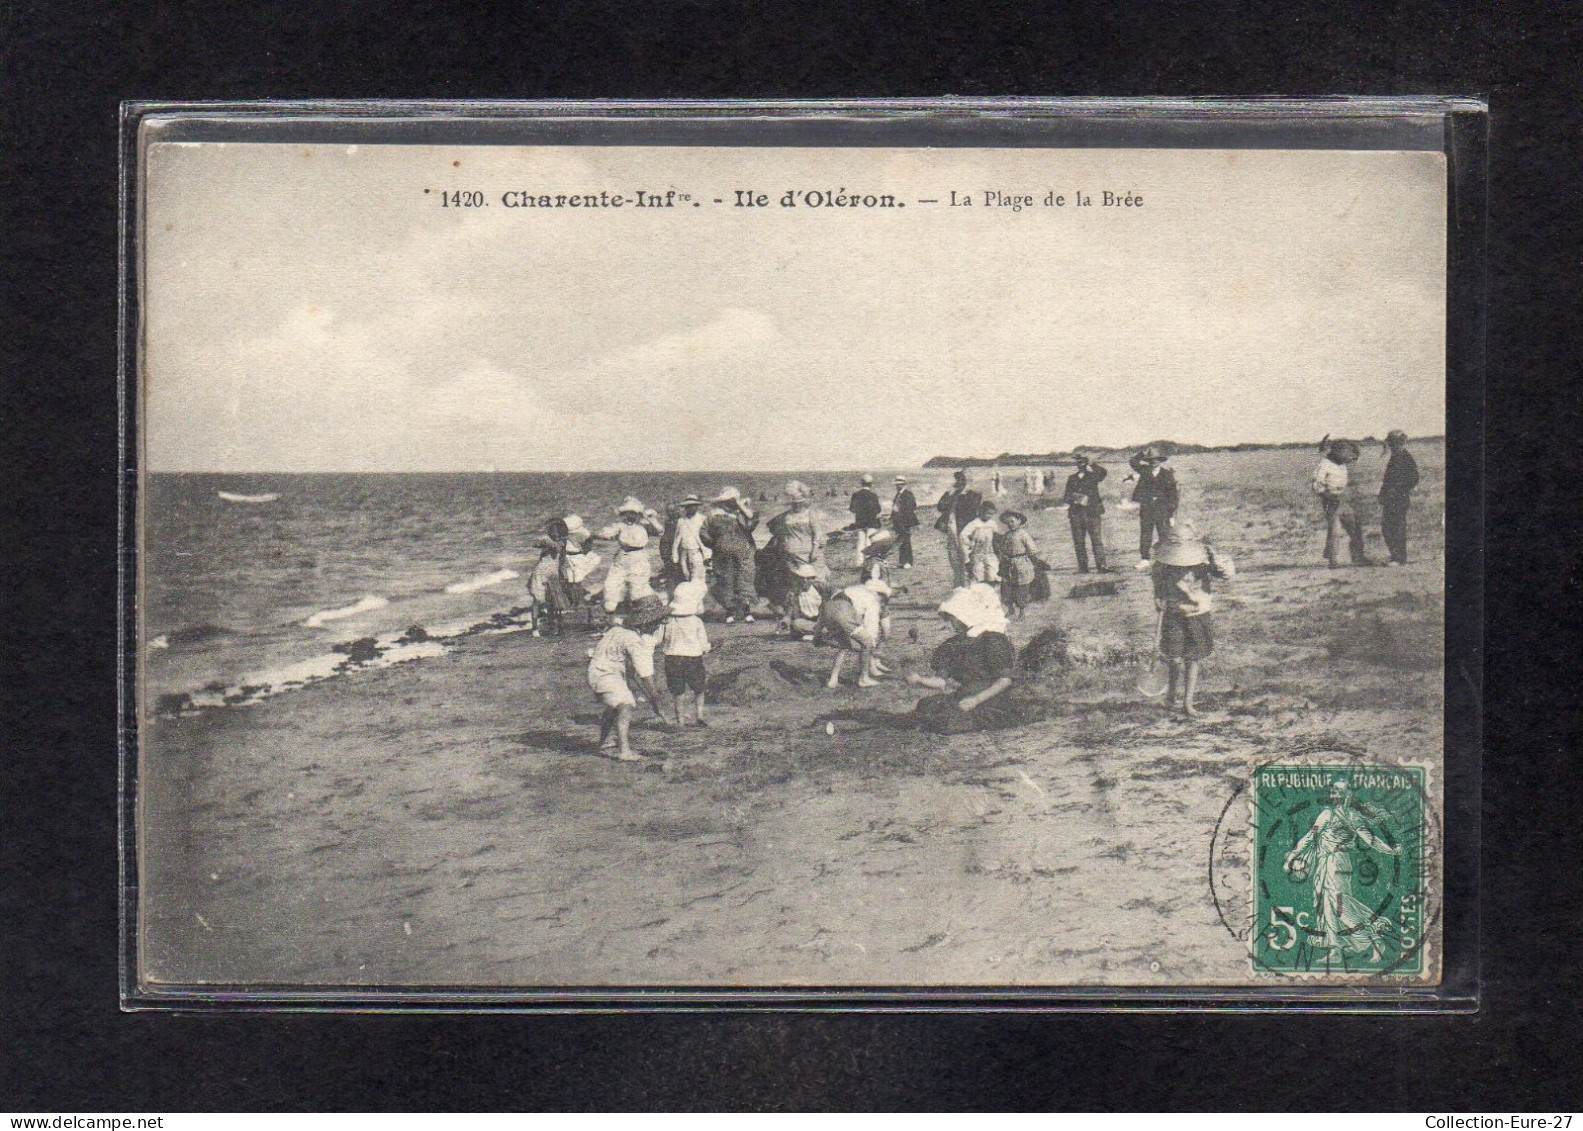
[(63, 1044)]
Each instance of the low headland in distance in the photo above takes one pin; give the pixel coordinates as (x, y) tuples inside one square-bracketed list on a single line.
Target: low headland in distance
[(1095, 451)]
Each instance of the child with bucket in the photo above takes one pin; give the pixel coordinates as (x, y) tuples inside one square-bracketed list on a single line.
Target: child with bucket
[(1184, 570)]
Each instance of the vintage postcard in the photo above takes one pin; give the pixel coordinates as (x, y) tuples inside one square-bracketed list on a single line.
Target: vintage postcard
[(572, 566)]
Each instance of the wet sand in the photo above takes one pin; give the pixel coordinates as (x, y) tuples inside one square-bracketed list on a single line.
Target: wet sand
[(450, 821)]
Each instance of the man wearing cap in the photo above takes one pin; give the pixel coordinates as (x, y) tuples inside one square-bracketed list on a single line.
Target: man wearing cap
[(958, 507), (1085, 512), (865, 509), (1332, 485), (903, 520), (1157, 499), (1396, 491), (728, 532), (630, 571)]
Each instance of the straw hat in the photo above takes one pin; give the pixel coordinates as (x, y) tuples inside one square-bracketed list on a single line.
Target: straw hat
[(1181, 547), (692, 501), (575, 526), (798, 491), (901, 479), (880, 543), (1007, 516), (868, 480), (1152, 454), (803, 569), (630, 505), (728, 495), (688, 599), (646, 611)]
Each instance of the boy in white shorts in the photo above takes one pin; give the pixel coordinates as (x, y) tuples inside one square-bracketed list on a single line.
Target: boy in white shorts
[(628, 644)]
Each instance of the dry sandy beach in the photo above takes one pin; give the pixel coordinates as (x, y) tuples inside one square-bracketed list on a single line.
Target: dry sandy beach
[(448, 821)]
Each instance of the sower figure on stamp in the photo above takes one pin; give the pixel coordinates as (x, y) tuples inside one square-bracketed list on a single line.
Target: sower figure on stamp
[(1345, 923), (1157, 499), (1396, 491), (957, 507), (904, 520), (1332, 484), (1085, 510)]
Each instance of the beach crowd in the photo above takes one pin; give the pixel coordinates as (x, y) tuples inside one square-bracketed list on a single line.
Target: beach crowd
[(826, 585)]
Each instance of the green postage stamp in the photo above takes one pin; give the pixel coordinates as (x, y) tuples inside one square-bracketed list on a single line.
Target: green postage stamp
[(1341, 871)]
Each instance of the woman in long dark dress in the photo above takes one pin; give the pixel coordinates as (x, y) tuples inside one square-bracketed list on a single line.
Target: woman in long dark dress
[(978, 661)]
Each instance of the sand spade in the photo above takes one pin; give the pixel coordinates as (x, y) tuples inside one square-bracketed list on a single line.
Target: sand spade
[(1154, 681)]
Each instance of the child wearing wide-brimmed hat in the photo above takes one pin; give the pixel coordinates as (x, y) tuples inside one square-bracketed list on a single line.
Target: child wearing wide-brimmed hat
[(1019, 563), (627, 647), (631, 572), (805, 601), (1184, 571), (688, 553), (684, 642)]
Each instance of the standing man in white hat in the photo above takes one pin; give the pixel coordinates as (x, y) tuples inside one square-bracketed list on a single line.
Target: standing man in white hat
[(865, 509), (689, 551)]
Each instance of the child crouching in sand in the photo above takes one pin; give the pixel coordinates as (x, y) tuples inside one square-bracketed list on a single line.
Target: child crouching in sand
[(854, 620), (1184, 572), (684, 643), (805, 601), (628, 644)]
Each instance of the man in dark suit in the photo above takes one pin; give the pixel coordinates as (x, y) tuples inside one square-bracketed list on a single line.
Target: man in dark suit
[(1085, 510), (903, 519), (1396, 492), (958, 507), (1157, 499), (865, 509)]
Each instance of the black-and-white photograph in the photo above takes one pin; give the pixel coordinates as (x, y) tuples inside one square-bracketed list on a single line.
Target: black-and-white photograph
[(569, 566)]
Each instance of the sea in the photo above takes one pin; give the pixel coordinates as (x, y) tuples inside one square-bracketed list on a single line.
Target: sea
[(295, 579)]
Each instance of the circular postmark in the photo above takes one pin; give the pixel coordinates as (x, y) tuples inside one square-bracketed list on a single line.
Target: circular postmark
[(1325, 863)]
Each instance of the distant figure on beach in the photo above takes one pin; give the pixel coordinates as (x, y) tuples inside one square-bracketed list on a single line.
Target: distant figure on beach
[(1396, 493), (957, 507), (1333, 486), (1184, 572), (865, 509), (980, 545), (684, 642), (627, 647), (855, 620), (1032, 481), (994, 483), (1157, 499), (688, 554), (630, 571), (1019, 563), (728, 532), (903, 520), (979, 659), (1085, 513)]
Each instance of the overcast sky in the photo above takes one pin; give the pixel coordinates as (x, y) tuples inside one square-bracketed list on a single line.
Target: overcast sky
[(313, 309)]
